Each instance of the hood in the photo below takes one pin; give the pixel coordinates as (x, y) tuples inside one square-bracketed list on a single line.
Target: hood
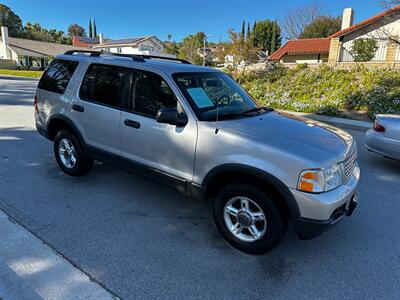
[(308, 139)]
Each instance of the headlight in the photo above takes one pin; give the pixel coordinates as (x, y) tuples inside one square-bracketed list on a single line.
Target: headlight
[(333, 177), (321, 180)]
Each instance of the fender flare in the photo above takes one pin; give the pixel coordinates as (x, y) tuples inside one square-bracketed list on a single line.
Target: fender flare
[(263, 175), (71, 124)]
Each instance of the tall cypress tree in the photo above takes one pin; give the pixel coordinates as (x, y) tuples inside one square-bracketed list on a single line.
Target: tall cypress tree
[(273, 38), (242, 32), (90, 28), (253, 33), (94, 28), (248, 35)]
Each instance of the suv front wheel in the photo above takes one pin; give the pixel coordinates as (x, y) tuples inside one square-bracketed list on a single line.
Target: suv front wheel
[(248, 219), (69, 154)]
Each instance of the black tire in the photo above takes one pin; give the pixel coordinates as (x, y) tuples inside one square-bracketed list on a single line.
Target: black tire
[(83, 163), (275, 228)]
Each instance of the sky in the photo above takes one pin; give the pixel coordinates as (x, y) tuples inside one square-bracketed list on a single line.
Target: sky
[(123, 18)]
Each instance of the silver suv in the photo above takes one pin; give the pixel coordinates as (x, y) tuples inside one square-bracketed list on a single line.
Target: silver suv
[(196, 129)]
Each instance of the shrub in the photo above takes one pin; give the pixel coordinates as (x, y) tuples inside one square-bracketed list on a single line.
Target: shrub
[(325, 90), (364, 49)]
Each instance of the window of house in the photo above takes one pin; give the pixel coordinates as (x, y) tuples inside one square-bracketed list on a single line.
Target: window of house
[(148, 93), (57, 76), (102, 84)]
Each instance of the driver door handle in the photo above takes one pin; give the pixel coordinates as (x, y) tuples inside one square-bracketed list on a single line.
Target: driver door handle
[(132, 123)]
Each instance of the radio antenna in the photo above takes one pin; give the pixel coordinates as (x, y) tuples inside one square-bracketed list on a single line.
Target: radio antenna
[(216, 120)]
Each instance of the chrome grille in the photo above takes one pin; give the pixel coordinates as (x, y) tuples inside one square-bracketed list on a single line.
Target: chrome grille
[(349, 164)]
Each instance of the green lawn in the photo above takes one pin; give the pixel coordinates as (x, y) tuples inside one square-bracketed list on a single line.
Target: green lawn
[(22, 73)]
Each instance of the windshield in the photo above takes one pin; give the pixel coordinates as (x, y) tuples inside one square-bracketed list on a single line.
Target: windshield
[(208, 91)]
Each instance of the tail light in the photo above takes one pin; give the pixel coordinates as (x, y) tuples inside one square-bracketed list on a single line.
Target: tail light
[(378, 127), (35, 104)]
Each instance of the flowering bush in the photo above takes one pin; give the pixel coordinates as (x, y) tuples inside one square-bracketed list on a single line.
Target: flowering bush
[(325, 90)]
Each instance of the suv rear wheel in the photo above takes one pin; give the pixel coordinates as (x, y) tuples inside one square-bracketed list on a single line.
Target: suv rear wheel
[(248, 219), (69, 154)]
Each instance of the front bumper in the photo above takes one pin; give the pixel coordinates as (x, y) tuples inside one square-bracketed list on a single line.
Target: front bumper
[(307, 229), (318, 212)]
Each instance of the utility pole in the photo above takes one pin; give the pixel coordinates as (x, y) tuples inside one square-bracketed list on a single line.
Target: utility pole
[(204, 50)]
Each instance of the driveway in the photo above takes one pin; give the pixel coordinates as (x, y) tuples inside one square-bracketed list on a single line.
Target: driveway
[(143, 240)]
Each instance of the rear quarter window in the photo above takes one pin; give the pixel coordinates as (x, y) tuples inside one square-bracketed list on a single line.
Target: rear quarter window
[(57, 76), (102, 84)]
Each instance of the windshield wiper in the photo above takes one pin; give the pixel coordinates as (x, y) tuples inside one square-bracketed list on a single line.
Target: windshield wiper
[(260, 109)]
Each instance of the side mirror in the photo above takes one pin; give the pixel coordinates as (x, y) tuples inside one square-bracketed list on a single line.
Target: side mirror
[(171, 116)]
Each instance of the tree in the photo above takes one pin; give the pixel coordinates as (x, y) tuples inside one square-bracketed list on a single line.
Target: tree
[(36, 32), (242, 53), (273, 38), (94, 28), (388, 33), (364, 49), (90, 28), (266, 35), (248, 35), (242, 37), (9, 19), (169, 37), (189, 46), (389, 3), (76, 30), (172, 48), (298, 19), (321, 27)]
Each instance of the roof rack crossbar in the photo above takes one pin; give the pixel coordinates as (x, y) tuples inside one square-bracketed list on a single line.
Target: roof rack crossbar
[(184, 61), (99, 53), (135, 57)]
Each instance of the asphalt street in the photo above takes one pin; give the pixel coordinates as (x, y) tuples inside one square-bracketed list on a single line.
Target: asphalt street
[(142, 240)]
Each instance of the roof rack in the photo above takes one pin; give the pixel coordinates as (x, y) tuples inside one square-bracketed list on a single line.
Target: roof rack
[(135, 57)]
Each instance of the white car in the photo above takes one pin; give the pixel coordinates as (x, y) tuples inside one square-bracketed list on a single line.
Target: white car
[(384, 137)]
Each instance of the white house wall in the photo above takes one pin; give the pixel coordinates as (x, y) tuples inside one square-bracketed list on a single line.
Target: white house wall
[(376, 31), (147, 47)]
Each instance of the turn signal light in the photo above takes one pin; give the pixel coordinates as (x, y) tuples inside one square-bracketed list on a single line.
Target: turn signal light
[(307, 182)]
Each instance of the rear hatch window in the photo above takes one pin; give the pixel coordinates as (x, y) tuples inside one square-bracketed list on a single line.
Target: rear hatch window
[(57, 76)]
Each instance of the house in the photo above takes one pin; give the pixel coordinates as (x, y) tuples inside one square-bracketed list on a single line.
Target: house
[(17, 52), (337, 49), (148, 45), (84, 41), (301, 51), (381, 27)]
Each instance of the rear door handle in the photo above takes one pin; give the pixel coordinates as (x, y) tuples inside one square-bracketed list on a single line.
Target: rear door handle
[(132, 123), (78, 107)]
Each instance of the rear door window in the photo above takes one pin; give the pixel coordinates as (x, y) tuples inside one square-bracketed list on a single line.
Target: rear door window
[(57, 76), (103, 84)]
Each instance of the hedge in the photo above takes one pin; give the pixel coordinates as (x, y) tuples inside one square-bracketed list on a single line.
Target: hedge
[(325, 90)]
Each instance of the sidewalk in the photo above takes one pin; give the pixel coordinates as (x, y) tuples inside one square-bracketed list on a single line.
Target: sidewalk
[(30, 269), (338, 122)]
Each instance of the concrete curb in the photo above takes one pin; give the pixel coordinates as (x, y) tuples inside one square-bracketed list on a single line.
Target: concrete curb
[(338, 122), (31, 269)]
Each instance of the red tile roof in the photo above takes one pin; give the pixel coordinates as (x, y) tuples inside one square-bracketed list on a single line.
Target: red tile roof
[(302, 46), (366, 22)]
